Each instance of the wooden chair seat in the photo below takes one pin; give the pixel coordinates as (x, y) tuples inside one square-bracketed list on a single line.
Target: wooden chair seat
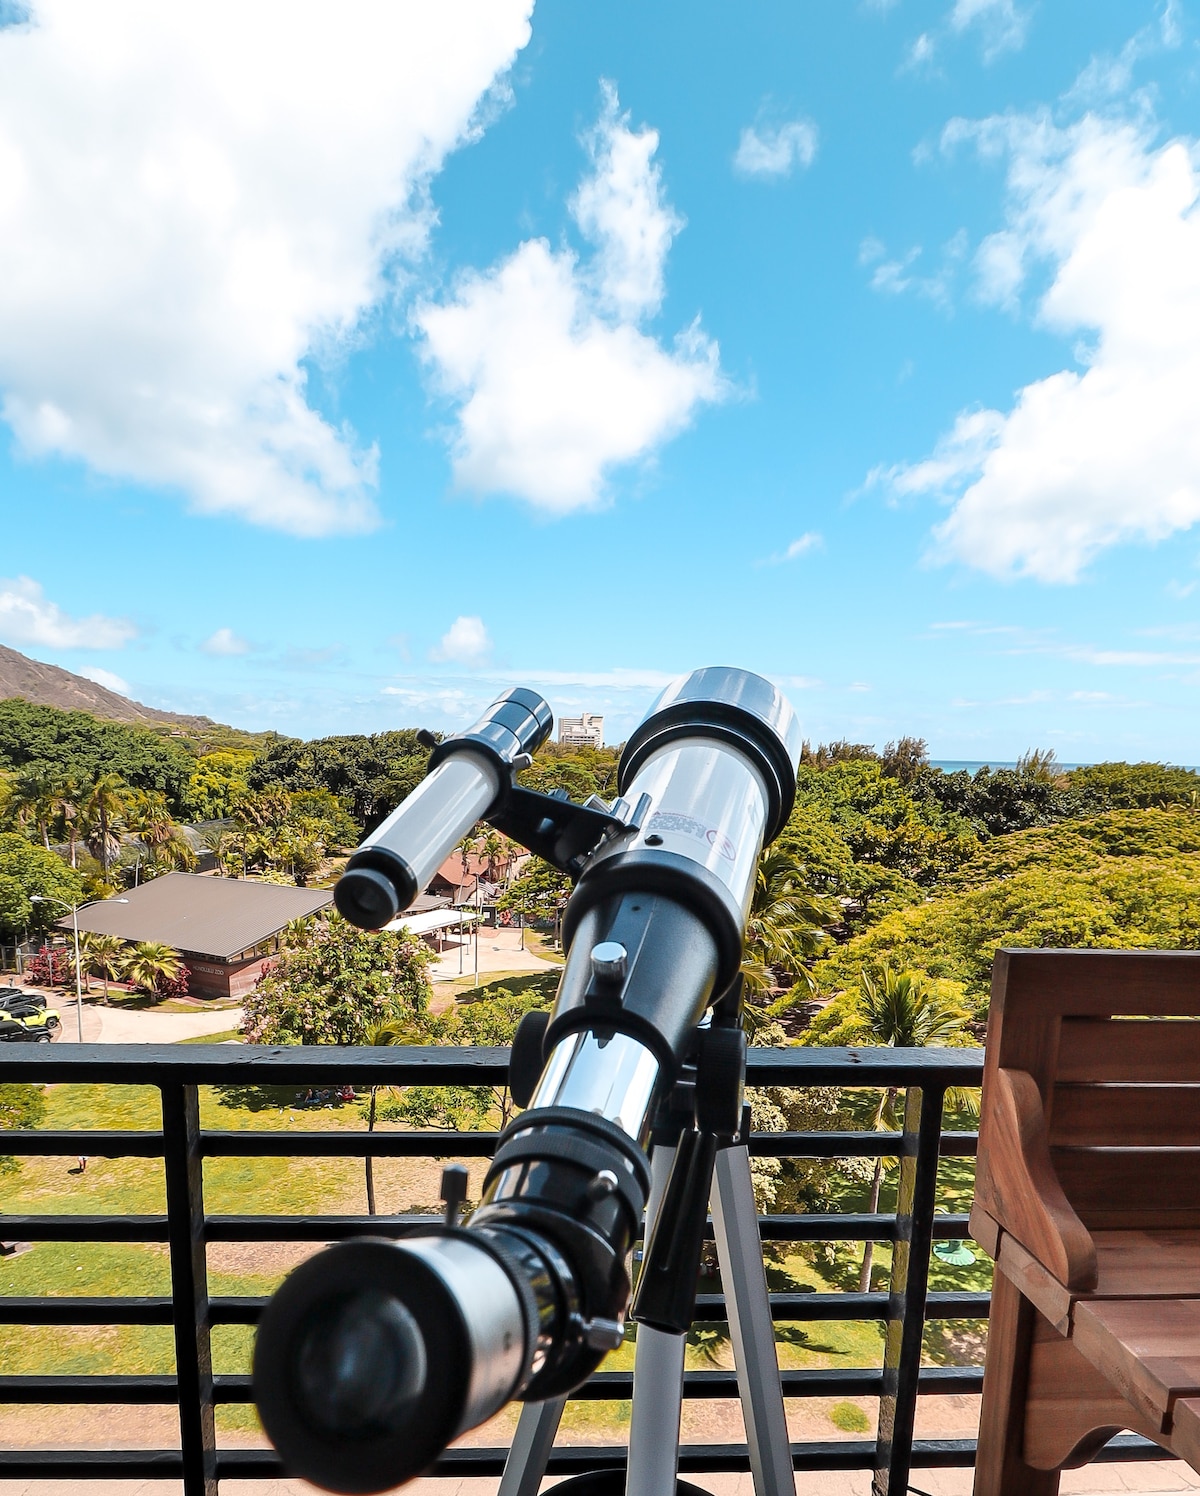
[(1087, 1197), (1148, 1349)]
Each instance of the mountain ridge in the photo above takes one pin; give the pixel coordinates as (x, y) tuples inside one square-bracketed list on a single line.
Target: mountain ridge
[(51, 685)]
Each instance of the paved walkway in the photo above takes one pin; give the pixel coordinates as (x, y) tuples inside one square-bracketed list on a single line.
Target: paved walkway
[(499, 950)]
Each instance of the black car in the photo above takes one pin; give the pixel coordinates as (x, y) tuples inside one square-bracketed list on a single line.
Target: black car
[(13, 1031), (10, 996)]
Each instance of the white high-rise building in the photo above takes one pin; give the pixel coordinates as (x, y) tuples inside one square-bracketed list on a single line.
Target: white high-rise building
[(586, 731)]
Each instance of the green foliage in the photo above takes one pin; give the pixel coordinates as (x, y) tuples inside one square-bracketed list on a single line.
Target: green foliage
[(369, 775), (1126, 879), (870, 841), (149, 964), (902, 1008), (215, 785), (488, 1021), (80, 746), (786, 927), (26, 869), (1141, 785), (579, 771), (539, 892), (339, 987)]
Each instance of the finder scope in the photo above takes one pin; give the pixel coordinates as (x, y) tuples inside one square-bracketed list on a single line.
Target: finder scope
[(376, 1353)]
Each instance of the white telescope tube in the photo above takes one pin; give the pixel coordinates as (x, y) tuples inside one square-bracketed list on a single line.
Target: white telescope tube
[(416, 839)]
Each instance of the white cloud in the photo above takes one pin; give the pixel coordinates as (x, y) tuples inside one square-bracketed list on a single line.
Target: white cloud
[(809, 541), (1108, 452), (106, 678), (465, 642), (775, 150), (194, 200), (225, 642), (27, 616), (893, 277), (545, 355), (1003, 24)]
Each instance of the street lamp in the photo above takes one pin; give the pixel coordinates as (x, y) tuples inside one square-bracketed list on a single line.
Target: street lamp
[(38, 898)]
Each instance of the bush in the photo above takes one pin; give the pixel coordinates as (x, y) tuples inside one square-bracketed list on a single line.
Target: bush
[(20, 1106), (849, 1417), (52, 966)]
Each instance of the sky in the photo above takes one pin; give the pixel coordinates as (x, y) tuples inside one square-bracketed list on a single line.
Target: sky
[(359, 362)]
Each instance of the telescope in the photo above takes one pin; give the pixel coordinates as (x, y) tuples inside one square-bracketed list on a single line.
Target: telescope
[(376, 1353)]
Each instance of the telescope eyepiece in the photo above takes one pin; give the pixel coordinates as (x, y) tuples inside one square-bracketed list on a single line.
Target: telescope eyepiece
[(360, 1366), (369, 898)]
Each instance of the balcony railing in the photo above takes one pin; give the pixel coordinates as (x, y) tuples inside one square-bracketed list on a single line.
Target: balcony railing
[(187, 1228)]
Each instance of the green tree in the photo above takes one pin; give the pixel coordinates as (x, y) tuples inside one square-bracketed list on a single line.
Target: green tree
[(390, 1031), (102, 956), (32, 800), (338, 988), (787, 925), (903, 1009), (27, 869), (149, 963), (216, 783), (106, 802), (539, 893)]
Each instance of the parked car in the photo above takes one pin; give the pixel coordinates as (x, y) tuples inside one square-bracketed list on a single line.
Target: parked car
[(13, 1031), (19, 996), (48, 1018)]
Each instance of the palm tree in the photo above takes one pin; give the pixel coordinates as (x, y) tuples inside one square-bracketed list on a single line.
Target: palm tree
[(68, 803), (787, 924), (103, 955), (149, 817), (901, 1009), (104, 806), (149, 963), (33, 800), (391, 1031)]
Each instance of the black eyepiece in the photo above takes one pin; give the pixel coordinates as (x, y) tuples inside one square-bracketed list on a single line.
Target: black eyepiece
[(375, 888), (360, 1366)]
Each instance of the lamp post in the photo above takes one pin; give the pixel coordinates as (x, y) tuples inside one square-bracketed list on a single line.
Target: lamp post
[(38, 898)]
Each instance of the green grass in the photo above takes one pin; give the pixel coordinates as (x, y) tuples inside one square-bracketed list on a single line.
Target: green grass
[(849, 1417), (223, 1037)]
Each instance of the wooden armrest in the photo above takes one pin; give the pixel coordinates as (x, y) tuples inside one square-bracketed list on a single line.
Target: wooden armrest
[(1017, 1185)]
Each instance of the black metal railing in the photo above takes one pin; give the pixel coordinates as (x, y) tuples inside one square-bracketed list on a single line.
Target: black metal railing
[(187, 1228)]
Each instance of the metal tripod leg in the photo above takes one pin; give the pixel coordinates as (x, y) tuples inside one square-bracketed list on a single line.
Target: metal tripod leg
[(748, 1307), (657, 1380), (531, 1446)]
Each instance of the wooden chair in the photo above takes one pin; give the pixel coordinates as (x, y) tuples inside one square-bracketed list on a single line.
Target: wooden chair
[(1087, 1197)]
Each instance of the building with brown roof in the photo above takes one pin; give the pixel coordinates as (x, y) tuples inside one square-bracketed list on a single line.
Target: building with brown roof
[(226, 929)]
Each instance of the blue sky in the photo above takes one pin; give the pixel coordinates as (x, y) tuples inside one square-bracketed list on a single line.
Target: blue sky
[(358, 364)]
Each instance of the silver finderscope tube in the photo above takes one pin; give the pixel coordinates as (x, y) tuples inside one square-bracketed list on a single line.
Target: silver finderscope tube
[(376, 1353), (468, 775)]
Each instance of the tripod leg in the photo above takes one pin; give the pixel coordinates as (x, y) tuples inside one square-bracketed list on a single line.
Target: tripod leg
[(739, 1248), (531, 1446), (657, 1380)]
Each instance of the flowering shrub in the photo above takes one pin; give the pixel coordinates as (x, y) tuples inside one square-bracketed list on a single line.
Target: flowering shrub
[(52, 966), (336, 989), (176, 986)]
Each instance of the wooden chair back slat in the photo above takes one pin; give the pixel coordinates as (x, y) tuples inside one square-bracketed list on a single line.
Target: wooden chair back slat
[(1138, 1116), (1146, 1188), (1129, 1051)]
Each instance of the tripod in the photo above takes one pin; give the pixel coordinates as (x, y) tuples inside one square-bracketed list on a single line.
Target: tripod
[(722, 1174)]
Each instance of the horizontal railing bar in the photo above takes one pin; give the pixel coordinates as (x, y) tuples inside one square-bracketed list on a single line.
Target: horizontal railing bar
[(607, 1386), (67, 1309), (70, 1143), (83, 1309), (322, 1228), (694, 1459), (84, 1228), (354, 1143), (936, 1381), (251, 1464), (93, 1389), (443, 1065), (337, 1143)]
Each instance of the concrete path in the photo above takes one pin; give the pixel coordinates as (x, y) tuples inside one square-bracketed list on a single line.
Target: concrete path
[(499, 950)]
